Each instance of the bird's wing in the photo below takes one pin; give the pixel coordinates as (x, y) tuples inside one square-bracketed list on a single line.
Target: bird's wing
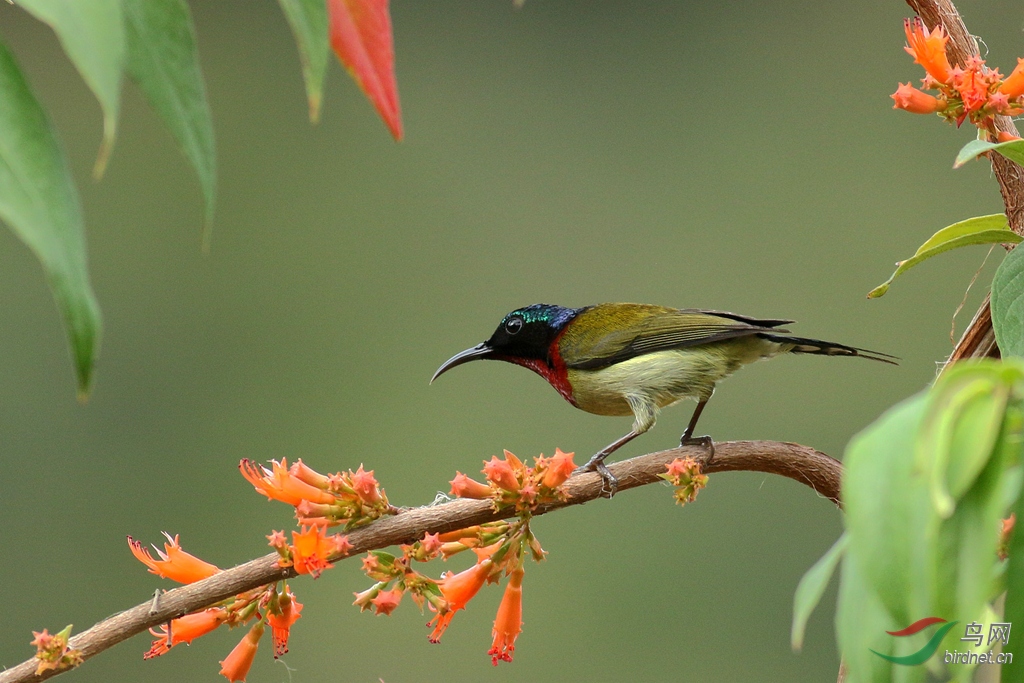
[(611, 333)]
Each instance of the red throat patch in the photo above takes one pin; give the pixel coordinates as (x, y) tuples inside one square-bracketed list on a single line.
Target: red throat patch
[(553, 370)]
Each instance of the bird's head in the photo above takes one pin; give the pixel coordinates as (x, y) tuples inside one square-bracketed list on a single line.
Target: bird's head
[(524, 337)]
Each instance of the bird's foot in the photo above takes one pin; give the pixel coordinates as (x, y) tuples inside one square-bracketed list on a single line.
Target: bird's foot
[(609, 482), (704, 441)]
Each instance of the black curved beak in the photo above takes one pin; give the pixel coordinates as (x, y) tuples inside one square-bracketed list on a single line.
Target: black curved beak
[(476, 353)]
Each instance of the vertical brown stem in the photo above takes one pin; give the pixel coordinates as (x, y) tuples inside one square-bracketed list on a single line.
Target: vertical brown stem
[(978, 340)]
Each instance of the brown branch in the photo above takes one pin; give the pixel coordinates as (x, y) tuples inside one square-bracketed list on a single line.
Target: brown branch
[(978, 340), (805, 465)]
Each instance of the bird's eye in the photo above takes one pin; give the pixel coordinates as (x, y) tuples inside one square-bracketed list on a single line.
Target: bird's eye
[(513, 325)]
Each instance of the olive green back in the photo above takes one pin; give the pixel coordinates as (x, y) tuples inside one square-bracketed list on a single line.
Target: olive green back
[(606, 334)]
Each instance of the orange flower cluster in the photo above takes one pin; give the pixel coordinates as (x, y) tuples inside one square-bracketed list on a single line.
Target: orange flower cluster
[(349, 498), (685, 475), (500, 548), (385, 568), (512, 484), (311, 549), (53, 652), (972, 92), (353, 499), (266, 604)]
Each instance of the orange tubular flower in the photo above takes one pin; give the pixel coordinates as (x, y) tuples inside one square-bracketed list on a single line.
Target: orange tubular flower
[(1013, 86), (459, 589), (387, 601), (185, 629), (928, 49), (501, 474), (973, 85), (279, 483), (465, 487), (310, 550), (509, 622), (559, 468), (365, 484), (174, 563), (911, 99), (307, 474), (281, 624), (237, 664)]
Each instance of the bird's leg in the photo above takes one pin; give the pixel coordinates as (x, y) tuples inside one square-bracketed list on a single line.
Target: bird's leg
[(689, 440), (596, 463), (645, 412)]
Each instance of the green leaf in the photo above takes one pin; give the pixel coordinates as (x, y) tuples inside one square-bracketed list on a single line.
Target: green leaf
[(1014, 610), (978, 230), (861, 625), (163, 60), (39, 203), (964, 418), (308, 19), (888, 510), (1008, 304), (92, 34), (917, 553), (811, 588), (1012, 150)]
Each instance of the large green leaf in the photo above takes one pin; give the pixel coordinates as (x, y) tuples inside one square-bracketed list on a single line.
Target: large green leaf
[(924, 489), (888, 510), (811, 588), (92, 34), (1012, 150), (1008, 304), (978, 230), (39, 203), (163, 60), (308, 19)]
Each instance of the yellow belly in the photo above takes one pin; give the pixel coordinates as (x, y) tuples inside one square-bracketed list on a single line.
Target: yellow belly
[(665, 377)]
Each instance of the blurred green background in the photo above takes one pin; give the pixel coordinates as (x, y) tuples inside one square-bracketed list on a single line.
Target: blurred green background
[(741, 156)]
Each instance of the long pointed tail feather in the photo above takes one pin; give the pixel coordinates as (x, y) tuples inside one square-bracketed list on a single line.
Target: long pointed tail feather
[(824, 348)]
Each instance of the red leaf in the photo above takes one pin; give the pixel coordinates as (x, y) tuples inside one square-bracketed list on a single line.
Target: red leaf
[(360, 32)]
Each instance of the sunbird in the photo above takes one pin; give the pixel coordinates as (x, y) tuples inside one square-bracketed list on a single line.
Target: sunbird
[(635, 359)]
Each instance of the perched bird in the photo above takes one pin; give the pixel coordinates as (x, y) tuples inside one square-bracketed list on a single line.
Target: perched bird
[(634, 359)]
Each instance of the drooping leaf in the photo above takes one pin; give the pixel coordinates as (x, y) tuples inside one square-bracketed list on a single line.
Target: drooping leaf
[(360, 33), (1008, 304), (888, 510), (92, 34), (38, 201), (861, 625), (1012, 150), (163, 59), (963, 421), (978, 230), (308, 19), (811, 588)]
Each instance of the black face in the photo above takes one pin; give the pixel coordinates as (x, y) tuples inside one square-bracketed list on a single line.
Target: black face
[(528, 332)]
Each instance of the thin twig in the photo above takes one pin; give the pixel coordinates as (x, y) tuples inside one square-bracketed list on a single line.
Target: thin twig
[(805, 465)]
